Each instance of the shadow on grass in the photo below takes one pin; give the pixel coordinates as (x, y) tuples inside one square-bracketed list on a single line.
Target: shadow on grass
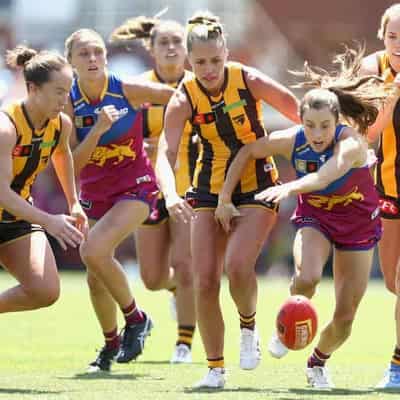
[(189, 390), (32, 392), (166, 363), (284, 394), (104, 376), (388, 391), (332, 392)]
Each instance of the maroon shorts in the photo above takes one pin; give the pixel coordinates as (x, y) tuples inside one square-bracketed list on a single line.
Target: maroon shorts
[(346, 234), (95, 209)]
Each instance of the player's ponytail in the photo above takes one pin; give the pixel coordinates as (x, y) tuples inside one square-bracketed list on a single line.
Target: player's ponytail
[(37, 66), (19, 56), (358, 97), (136, 28), (143, 28)]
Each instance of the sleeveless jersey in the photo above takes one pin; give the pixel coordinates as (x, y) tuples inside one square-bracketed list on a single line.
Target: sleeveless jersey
[(387, 173), (348, 201), (119, 162), (31, 153), (225, 124), (153, 124)]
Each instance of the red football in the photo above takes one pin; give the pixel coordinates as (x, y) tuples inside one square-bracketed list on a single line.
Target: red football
[(297, 322)]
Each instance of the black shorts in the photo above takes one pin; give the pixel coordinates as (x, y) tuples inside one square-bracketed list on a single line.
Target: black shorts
[(158, 214), (10, 231), (389, 207), (209, 201)]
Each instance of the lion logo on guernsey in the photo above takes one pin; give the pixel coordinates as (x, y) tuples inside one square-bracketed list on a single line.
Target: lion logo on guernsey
[(118, 151), (328, 202)]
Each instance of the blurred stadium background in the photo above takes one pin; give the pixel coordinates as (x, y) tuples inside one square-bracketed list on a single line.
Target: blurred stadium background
[(275, 36)]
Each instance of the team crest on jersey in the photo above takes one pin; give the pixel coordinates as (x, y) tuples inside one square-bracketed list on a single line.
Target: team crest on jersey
[(84, 121), (22, 150), (117, 152), (240, 119), (312, 166), (301, 165), (206, 118)]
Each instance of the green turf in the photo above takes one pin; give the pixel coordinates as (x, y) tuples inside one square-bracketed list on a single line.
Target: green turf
[(43, 354)]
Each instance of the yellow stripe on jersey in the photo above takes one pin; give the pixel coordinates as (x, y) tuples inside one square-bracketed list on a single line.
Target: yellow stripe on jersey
[(387, 173), (31, 153), (102, 94), (188, 149), (225, 124)]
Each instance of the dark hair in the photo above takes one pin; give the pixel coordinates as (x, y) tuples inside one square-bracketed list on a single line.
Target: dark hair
[(145, 28), (37, 66), (203, 26), (356, 98)]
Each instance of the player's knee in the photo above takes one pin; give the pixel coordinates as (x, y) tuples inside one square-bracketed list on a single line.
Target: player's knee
[(391, 286), (91, 254), (238, 272), (206, 287), (153, 282), (344, 320), (183, 273), (306, 283), (43, 296)]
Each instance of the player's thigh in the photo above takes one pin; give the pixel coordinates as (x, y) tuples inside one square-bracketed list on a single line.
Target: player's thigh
[(121, 220), (248, 236), (311, 251), (207, 247), (180, 245), (389, 250), (152, 247), (31, 261)]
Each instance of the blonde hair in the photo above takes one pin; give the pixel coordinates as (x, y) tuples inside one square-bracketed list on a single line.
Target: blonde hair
[(70, 40), (203, 26), (391, 12), (37, 66)]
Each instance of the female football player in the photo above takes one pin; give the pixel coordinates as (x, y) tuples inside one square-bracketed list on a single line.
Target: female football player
[(117, 185), (223, 100), (337, 203), (33, 132), (163, 242)]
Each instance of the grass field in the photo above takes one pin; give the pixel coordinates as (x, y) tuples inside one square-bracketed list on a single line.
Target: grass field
[(43, 354)]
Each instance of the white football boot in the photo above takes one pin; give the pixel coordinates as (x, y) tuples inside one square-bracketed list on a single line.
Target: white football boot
[(276, 348), (215, 379), (250, 353), (182, 355), (318, 377)]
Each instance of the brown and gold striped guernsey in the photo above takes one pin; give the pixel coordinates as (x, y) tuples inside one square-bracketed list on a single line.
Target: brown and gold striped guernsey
[(387, 173), (188, 149), (31, 153), (225, 124)]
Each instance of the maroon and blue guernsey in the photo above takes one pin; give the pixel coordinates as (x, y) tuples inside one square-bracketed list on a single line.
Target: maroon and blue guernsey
[(119, 163), (346, 211)]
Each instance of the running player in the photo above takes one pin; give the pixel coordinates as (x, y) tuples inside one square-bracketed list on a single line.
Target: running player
[(33, 132), (117, 182), (161, 241), (223, 100), (337, 202)]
